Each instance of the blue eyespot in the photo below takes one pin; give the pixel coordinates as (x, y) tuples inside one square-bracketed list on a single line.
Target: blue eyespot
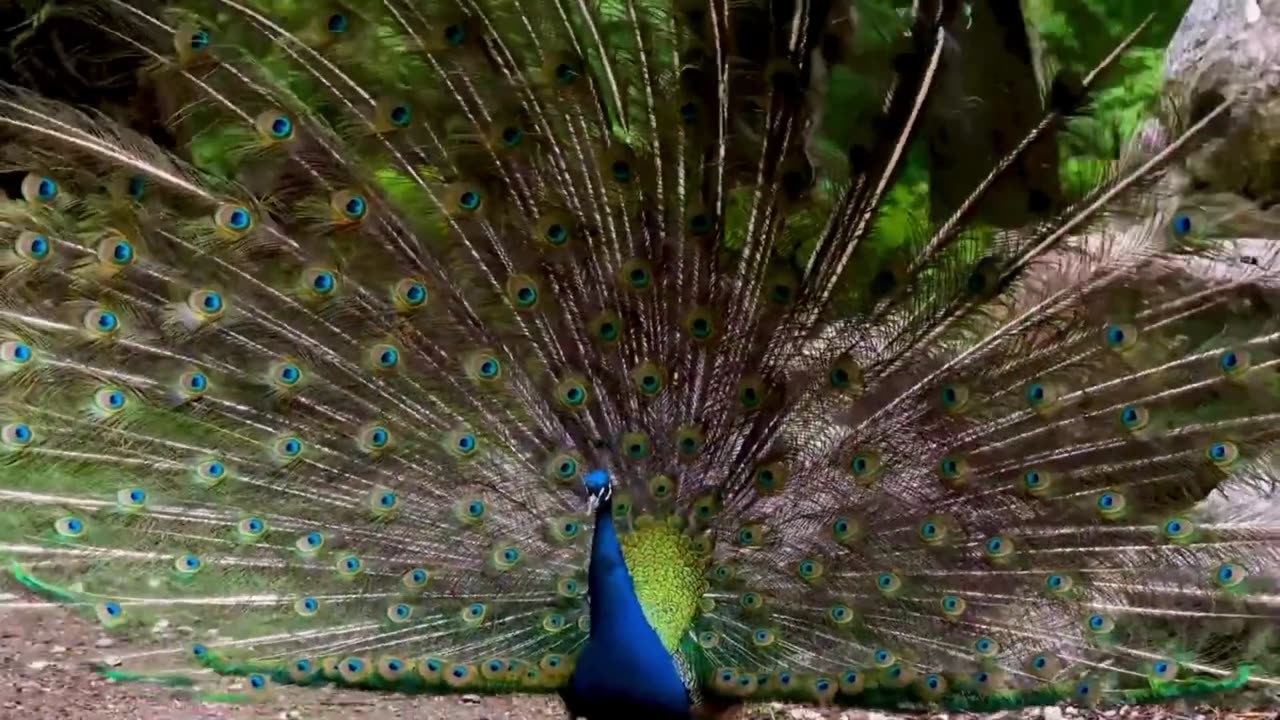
[(137, 187), (389, 358), (290, 374), (475, 509), (557, 233), (378, 437), (302, 666), (455, 35), (1097, 622), (137, 496), (107, 321), (415, 294), (466, 443), (1107, 501), (470, 200), (338, 23), (20, 352), (510, 554), (215, 469), (356, 207), (74, 525), (39, 247), (254, 525), (995, 545), (281, 127), (323, 282), (311, 604), (351, 564), (200, 40), (354, 665), (387, 500), (314, 539), (292, 447), (47, 189), (238, 219), (1182, 224), (400, 116), (122, 252), (191, 562), (20, 432), (112, 609), (212, 302), (402, 611), (199, 650), (419, 575)]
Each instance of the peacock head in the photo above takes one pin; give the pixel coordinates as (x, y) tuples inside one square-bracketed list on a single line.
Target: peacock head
[(599, 488)]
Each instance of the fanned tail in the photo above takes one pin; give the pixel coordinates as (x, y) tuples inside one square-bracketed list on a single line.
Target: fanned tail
[(318, 389)]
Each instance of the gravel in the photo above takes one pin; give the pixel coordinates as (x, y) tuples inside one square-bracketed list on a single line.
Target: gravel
[(44, 673)]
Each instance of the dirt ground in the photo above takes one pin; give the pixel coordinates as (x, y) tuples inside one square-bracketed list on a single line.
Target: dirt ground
[(44, 675)]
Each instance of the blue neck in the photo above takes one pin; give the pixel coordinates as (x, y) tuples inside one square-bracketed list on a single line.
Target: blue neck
[(614, 605), (624, 664)]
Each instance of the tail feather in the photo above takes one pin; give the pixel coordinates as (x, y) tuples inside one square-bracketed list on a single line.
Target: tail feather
[(323, 384)]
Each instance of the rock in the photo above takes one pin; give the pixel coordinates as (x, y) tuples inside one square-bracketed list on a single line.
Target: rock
[(104, 643), (471, 699), (1232, 48), (41, 664), (804, 714), (1051, 713)]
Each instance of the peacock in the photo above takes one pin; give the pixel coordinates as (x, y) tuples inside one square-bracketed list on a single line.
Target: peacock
[(546, 346)]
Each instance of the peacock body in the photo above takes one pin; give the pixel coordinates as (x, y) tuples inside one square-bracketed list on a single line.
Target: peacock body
[(537, 346)]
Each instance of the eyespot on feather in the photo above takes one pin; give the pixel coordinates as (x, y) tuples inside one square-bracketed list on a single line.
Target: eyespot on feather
[(349, 207), (409, 295), (233, 221), (115, 252), (101, 324), (39, 189), (274, 127), (33, 247)]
